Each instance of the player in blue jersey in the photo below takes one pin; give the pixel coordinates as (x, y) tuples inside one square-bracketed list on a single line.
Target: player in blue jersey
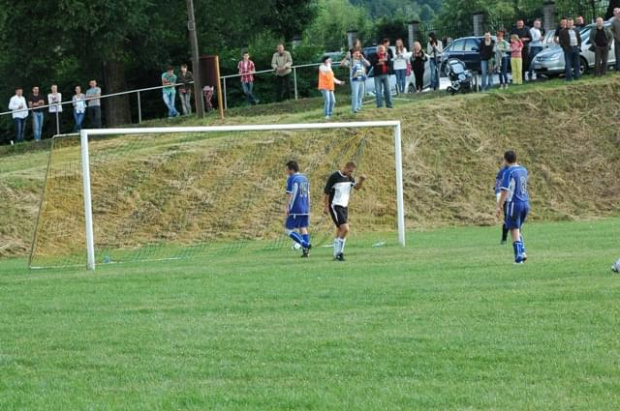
[(515, 200), (298, 207), (498, 193)]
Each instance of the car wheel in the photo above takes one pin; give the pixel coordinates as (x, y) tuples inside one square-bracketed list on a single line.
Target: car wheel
[(585, 67)]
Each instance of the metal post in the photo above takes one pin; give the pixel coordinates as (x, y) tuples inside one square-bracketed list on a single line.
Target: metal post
[(400, 200), (191, 26), (57, 122), (88, 210), (295, 82), (225, 94), (139, 108)]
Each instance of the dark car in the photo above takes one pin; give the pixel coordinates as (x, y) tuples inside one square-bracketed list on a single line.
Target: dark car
[(466, 49)]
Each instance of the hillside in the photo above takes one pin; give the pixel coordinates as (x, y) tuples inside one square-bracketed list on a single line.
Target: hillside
[(567, 136)]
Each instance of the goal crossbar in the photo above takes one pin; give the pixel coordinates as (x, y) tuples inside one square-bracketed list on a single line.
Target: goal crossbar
[(86, 133)]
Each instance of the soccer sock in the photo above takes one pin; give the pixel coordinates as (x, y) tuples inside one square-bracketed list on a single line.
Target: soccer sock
[(518, 247), (306, 239), (297, 238), (336, 246), (342, 243), (504, 232), (522, 244)]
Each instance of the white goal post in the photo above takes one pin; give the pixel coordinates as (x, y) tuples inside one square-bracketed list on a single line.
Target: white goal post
[(86, 133)]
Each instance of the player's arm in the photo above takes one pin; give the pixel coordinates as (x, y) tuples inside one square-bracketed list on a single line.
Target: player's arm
[(287, 206), (327, 191), (360, 183), (501, 202)]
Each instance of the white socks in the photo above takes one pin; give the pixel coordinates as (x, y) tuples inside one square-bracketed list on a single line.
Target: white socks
[(339, 245)]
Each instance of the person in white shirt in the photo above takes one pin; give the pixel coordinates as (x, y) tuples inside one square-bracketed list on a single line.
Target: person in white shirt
[(19, 107), (400, 66), (79, 108), (536, 45), (54, 100)]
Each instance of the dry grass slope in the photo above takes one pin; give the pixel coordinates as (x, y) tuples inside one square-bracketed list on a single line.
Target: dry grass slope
[(568, 136)]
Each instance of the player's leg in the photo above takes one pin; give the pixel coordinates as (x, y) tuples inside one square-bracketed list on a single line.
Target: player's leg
[(504, 227), (518, 212), (290, 226), (343, 231), (305, 236), (334, 216)]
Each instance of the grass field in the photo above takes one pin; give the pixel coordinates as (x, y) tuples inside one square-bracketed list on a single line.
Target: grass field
[(445, 324)]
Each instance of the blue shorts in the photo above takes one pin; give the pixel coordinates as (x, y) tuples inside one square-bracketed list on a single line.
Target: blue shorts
[(515, 215), (297, 221)]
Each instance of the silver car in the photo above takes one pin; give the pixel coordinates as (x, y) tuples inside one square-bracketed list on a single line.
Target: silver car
[(550, 62)]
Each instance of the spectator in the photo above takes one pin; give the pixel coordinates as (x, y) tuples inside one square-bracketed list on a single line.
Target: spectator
[(346, 61), (281, 62), (516, 58), (570, 40), (418, 63), (536, 45), (327, 83), (93, 95), (615, 30), (246, 70), (169, 79), (434, 50), (381, 69), (18, 106), (502, 55), (79, 108), (562, 26), (601, 39), (186, 79), (523, 32), (54, 100), (400, 66), (580, 23), (358, 65), (487, 47), (35, 102)]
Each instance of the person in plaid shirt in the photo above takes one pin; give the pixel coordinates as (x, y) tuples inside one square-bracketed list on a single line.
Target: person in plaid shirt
[(246, 70)]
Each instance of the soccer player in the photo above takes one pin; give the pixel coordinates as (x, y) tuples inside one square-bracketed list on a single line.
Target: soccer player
[(515, 199), (298, 207), (498, 193), (337, 195)]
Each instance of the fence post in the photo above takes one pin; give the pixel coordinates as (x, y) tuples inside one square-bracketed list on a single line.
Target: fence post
[(295, 81), (351, 37), (414, 32), (139, 108), (224, 94), (478, 23), (549, 15)]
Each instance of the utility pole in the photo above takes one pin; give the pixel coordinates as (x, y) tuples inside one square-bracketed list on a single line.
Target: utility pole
[(193, 39)]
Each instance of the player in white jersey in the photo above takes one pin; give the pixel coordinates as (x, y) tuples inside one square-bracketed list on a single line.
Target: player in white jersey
[(337, 194)]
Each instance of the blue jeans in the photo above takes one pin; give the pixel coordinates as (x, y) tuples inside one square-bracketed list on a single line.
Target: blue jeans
[(330, 102), (37, 124), (169, 100), (503, 71), (487, 75), (79, 119), (382, 88), (434, 74), (357, 95), (20, 129), (572, 63), (247, 90), (533, 52), (401, 80)]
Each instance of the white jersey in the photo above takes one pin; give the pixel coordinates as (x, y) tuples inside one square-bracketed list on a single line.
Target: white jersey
[(339, 189)]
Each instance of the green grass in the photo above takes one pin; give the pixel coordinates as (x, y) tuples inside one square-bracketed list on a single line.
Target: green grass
[(445, 324)]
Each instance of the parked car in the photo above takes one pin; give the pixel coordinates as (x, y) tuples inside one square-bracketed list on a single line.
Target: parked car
[(550, 62), (466, 49)]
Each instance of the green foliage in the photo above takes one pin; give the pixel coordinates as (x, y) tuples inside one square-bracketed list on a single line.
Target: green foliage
[(400, 9), (334, 19)]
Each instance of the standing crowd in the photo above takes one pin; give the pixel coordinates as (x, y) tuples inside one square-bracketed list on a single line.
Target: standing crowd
[(37, 103)]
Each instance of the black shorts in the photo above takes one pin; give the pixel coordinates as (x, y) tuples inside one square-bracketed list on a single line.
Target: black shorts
[(339, 214)]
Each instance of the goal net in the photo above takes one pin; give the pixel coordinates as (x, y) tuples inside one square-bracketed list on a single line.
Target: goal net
[(145, 194)]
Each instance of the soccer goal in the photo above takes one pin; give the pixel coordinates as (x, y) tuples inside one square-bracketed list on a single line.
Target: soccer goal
[(145, 194)]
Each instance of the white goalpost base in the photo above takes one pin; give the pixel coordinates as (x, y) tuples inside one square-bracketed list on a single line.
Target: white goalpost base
[(85, 159)]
